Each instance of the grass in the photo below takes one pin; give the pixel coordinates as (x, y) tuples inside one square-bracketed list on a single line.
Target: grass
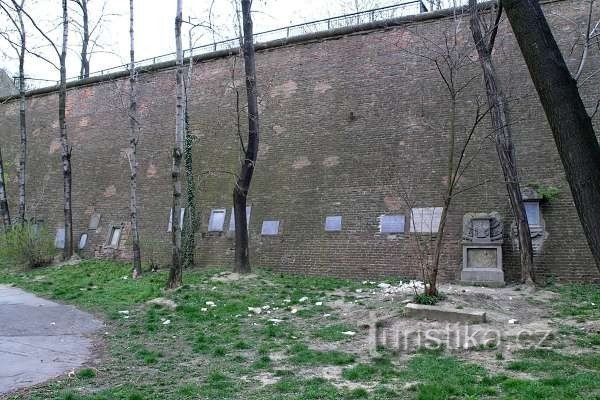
[(228, 352), (581, 301), (301, 354), (333, 333)]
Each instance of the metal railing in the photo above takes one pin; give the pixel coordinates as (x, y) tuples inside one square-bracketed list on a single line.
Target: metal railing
[(406, 8)]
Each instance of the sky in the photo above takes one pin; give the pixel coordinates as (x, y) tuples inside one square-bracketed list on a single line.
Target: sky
[(154, 28)]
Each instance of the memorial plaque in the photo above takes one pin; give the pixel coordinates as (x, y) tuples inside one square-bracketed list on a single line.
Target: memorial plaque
[(425, 220), (59, 239), (391, 223), (482, 258), (83, 241), (115, 237), (217, 220), (270, 228), (94, 221), (333, 223), (181, 216), (232, 219), (532, 209), (482, 249)]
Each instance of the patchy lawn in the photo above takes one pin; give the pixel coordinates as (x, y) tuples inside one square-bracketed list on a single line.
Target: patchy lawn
[(277, 336)]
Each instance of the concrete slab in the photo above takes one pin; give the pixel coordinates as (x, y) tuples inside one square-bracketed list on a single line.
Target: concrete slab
[(445, 314), (40, 339)]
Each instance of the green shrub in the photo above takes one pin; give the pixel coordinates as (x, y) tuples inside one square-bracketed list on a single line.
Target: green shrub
[(27, 246), (429, 300)]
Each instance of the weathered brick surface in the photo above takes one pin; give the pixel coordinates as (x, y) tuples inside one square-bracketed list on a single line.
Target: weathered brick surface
[(349, 125)]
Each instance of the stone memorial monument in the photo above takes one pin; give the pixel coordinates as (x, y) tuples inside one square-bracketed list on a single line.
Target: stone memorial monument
[(482, 249)]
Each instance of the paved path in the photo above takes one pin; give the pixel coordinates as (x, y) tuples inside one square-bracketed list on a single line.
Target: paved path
[(40, 339)]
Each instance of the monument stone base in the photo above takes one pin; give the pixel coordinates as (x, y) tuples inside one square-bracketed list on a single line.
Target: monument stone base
[(482, 265)]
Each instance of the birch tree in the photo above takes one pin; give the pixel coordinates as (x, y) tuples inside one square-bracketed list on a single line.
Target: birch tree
[(244, 179), (20, 48), (191, 223), (4, 210), (132, 156), (175, 273), (89, 30), (85, 38), (484, 37), (66, 148)]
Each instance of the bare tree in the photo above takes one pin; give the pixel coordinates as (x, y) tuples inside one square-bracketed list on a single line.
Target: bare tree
[(484, 37), (448, 55), (572, 128), (191, 223), (132, 156), (4, 210), (175, 273), (89, 32), (591, 37), (66, 148), (85, 38), (242, 186), (20, 48)]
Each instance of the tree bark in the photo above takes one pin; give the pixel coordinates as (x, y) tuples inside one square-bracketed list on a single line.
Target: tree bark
[(175, 274), (85, 60), (571, 125), (133, 163), (4, 210), (191, 222), (499, 113), (66, 148), (242, 186), (22, 113)]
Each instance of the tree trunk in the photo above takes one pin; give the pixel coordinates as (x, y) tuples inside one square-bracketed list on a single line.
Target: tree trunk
[(22, 115), (431, 288), (503, 137), (175, 274), (571, 125), (133, 163), (191, 222), (240, 192), (4, 210), (431, 281), (85, 60), (64, 140)]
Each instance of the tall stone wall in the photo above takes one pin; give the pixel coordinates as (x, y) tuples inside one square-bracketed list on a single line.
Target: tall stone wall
[(354, 125)]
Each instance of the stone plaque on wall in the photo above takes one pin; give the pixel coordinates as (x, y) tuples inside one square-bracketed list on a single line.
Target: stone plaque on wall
[(333, 223), (425, 220), (232, 219), (94, 221), (59, 240), (270, 228), (391, 224), (482, 258)]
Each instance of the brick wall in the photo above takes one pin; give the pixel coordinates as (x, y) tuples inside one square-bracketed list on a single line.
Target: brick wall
[(351, 125)]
